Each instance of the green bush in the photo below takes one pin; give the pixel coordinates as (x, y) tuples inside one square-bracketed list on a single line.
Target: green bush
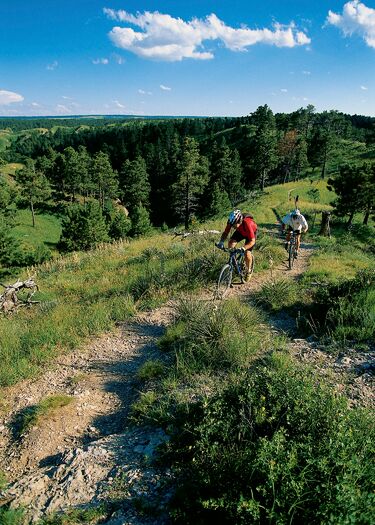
[(12, 516), (275, 446), (346, 311)]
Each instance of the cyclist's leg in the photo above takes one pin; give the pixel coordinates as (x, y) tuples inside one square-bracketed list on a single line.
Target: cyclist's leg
[(249, 260), (287, 238)]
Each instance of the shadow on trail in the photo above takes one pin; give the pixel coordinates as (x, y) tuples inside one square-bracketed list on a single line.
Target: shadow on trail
[(122, 377)]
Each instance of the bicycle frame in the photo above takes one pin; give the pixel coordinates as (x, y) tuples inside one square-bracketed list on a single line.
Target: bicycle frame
[(236, 263), (236, 260)]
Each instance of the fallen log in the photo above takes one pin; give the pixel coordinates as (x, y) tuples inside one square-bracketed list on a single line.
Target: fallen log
[(9, 300), (185, 234)]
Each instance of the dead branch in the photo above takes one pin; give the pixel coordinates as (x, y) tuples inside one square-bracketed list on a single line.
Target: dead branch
[(9, 300), (185, 234)]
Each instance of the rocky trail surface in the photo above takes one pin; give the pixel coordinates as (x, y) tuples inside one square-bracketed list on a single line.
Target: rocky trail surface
[(87, 452)]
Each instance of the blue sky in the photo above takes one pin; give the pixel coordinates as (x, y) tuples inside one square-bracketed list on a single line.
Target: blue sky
[(195, 57)]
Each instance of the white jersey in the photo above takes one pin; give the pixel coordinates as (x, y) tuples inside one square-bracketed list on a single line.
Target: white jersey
[(299, 223)]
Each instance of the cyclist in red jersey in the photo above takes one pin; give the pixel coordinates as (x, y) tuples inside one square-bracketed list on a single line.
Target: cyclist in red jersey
[(245, 228)]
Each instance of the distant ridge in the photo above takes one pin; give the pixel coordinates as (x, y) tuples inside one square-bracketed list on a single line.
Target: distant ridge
[(70, 117)]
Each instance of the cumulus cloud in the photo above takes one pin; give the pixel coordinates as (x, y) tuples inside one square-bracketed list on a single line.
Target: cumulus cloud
[(364, 88), (356, 18), (103, 61), (163, 37), (8, 97), (165, 88), (52, 66)]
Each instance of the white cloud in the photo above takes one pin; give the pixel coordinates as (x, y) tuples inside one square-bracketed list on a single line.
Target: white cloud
[(143, 92), (8, 97), (306, 73), (52, 66), (364, 88), (103, 61), (60, 108), (163, 37), (165, 88), (283, 90), (118, 104), (356, 18), (35, 105), (118, 59), (66, 98)]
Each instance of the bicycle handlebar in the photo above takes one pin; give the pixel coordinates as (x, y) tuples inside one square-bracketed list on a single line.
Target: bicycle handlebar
[(229, 250)]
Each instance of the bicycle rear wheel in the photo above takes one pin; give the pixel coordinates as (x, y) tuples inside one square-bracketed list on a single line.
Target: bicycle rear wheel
[(224, 281)]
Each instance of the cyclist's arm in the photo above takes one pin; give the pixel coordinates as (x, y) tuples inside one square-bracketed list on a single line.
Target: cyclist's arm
[(285, 221), (225, 233), (305, 226)]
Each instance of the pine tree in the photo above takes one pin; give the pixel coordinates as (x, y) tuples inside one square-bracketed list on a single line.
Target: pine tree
[(103, 177), (192, 177), (265, 143), (83, 227), (34, 186), (219, 202), (140, 221), (355, 190), (135, 183)]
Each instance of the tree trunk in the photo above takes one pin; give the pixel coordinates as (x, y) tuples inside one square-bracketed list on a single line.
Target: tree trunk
[(32, 212), (263, 180), (350, 220), (323, 174), (324, 227), (367, 216), (187, 207)]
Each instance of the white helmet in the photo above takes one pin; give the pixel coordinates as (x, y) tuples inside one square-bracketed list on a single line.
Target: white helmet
[(295, 213)]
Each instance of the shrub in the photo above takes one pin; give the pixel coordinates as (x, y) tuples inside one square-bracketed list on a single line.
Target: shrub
[(150, 370), (275, 446), (210, 337), (276, 295), (346, 311)]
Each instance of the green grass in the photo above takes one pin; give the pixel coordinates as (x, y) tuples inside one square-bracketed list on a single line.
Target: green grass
[(150, 370), (36, 414), (47, 229), (89, 516)]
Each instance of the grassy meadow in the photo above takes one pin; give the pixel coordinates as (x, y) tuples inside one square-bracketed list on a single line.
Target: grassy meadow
[(84, 294), (255, 437)]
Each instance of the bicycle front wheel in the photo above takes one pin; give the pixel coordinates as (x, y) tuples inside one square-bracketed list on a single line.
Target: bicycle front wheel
[(224, 281), (291, 255)]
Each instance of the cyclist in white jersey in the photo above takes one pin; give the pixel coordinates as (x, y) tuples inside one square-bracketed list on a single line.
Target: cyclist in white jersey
[(296, 222)]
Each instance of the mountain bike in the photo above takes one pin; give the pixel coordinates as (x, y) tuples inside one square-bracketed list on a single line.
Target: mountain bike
[(292, 250), (236, 264)]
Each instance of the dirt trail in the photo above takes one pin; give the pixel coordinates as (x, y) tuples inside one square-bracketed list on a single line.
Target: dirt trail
[(77, 456)]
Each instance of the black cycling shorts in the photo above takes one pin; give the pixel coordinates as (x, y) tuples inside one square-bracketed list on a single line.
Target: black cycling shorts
[(237, 237)]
